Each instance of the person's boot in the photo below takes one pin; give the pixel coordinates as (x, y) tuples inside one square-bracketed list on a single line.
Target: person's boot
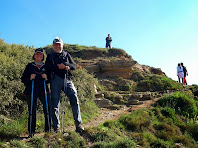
[(57, 130), (79, 128), (31, 135)]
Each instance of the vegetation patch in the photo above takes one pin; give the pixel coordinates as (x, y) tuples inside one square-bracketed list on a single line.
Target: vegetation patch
[(157, 83), (182, 102), (173, 122), (137, 121)]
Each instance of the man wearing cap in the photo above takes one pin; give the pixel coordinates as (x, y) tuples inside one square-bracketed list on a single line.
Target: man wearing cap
[(36, 71), (60, 64)]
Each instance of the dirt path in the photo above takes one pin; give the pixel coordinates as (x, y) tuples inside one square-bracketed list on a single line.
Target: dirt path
[(106, 114)]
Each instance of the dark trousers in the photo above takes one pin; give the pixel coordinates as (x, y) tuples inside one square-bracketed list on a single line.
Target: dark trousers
[(108, 45), (57, 84), (34, 108)]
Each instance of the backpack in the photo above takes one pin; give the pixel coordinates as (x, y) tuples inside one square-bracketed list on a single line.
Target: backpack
[(184, 69)]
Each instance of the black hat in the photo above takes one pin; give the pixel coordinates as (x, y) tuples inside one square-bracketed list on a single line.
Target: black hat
[(38, 50)]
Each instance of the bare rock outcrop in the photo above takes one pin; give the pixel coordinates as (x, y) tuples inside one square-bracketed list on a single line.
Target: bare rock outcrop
[(157, 71), (116, 68), (103, 103), (147, 69), (111, 68)]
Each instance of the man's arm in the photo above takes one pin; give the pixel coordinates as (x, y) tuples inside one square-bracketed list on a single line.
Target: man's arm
[(71, 63)]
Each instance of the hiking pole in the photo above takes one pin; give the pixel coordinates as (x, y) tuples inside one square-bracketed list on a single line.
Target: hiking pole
[(47, 111), (31, 105), (63, 109)]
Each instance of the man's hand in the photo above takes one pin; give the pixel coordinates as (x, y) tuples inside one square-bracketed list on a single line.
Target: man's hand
[(44, 76), (67, 68), (62, 66), (32, 76)]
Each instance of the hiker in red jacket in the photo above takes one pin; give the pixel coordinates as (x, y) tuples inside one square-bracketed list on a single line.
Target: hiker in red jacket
[(185, 73)]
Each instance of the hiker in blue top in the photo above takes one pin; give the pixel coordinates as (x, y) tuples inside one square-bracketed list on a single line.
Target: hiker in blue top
[(34, 78), (180, 73), (108, 41), (60, 64)]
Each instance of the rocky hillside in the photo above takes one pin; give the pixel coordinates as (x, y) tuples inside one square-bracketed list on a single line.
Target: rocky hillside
[(123, 85), (116, 70), (121, 79)]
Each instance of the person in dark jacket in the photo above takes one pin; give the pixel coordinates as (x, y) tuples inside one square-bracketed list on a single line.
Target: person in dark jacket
[(108, 41), (59, 63), (36, 71), (185, 73)]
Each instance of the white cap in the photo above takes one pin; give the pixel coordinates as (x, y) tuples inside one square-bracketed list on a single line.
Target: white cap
[(57, 40)]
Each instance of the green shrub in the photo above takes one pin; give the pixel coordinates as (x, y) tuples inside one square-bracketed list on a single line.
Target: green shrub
[(112, 124), (164, 131), (54, 140), (114, 97), (115, 126), (149, 137), (182, 102), (194, 90), (160, 143), (84, 83), (157, 83), (136, 121), (74, 140), (38, 142), (17, 144), (169, 84), (4, 145), (102, 133), (115, 52), (13, 59), (89, 111), (122, 143), (137, 76), (193, 129), (168, 113), (13, 128), (185, 140)]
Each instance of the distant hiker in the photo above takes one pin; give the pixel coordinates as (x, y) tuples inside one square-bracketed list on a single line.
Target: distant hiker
[(185, 73), (95, 89), (35, 72), (180, 73), (59, 63), (108, 41)]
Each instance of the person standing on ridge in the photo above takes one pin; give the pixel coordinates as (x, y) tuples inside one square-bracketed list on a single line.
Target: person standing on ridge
[(185, 73), (180, 73), (108, 41), (33, 77), (60, 64)]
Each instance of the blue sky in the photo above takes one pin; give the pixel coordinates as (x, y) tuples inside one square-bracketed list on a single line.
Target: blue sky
[(158, 33)]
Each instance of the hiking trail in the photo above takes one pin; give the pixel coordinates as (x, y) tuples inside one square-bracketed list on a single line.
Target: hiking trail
[(105, 115)]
